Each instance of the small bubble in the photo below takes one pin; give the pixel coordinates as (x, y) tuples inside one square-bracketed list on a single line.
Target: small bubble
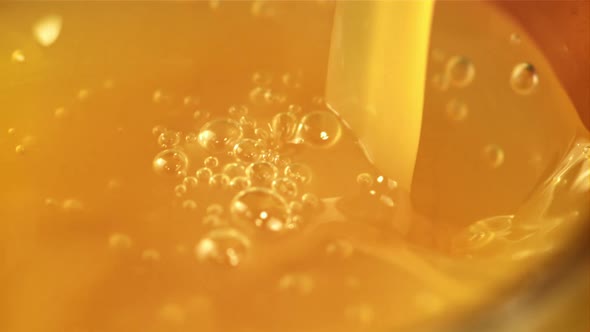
[(262, 134), (169, 138), (261, 78), (219, 181), (365, 180), (159, 96), (260, 208), (172, 314), (301, 284), (298, 172), (320, 129), (257, 95), (180, 190), (247, 150), (215, 209), (219, 135), (211, 162), (493, 155), (340, 249), (83, 94), (294, 109), (310, 202), (234, 169), (213, 221), (281, 161), (190, 101), (283, 126), (170, 162), (456, 110), (72, 205), (515, 39), (119, 241), (60, 113), (189, 204), (295, 207), (11, 131), (240, 183), (20, 149), (295, 222), (158, 130), (51, 202), (292, 80), (47, 29), (238, 111), (18, 56), (204, 174), (285, 187), (224, 246), (201, 115), (191, 138), (524, 79), (461, 71), (190, 181), (261, 173), (274, 97), (150, 255)]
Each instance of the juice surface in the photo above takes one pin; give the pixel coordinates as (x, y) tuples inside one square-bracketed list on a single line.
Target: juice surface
[(173, 167)]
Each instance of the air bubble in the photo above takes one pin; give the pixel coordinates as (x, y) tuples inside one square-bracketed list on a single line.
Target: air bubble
[(472, 238), (213, 221), (283, 126), (60, 113), (300, 173), (72, 205), (295, 207), (310, 202), (524, 79), (460, 70), (119, 241), (294, 109), (169, 139), (20, 150), (320, 129), (261, 173), (240, 183), (190, 101), (219, 181), (170, 162), (238, 111), (47, 30), (301, 284), (150, 255), (203, 174), (180, 190), (219, 135), (189, 204), (226, 247), (234, 169), (261, 78), (292, 80), (190, 181), (261, 208), (365, 180), (215, 209), (83, 94), (285, 187), (493, 155), (247, 150), (158, 130), (456, 110), (201, 115), (159, 96), (11, 131), (515, 39), (191, 138), (211, 162), (499, 225), (258, 94)]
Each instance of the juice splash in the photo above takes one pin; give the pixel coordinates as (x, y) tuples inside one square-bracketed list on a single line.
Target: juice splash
[(167, 184)]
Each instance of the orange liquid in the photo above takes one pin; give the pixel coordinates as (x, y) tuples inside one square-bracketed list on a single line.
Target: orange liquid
[(95, 238)]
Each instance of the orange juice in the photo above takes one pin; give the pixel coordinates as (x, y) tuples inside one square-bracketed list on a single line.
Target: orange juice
[(174, 167)]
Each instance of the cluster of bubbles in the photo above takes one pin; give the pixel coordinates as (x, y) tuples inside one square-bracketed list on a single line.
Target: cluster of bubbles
[(250, 160)]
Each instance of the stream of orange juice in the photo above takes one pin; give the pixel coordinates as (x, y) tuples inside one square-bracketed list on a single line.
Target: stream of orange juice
[(173, 167)]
